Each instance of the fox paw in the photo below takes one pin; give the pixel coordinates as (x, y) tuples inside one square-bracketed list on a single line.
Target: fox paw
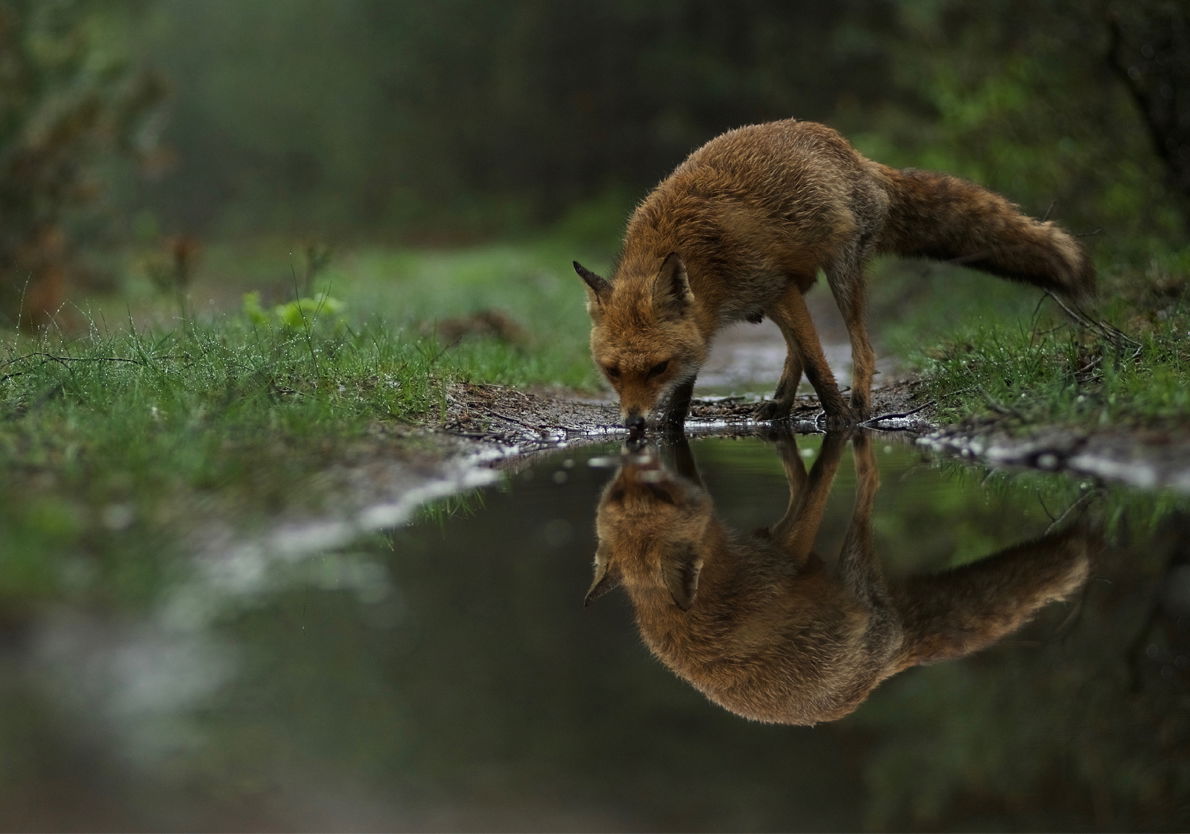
[(773, 410), (832, 421)]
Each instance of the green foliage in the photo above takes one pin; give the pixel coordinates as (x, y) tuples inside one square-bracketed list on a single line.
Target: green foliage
[(124, 428), (1032, 111), (445, 132), (150, 419), (297, 314)]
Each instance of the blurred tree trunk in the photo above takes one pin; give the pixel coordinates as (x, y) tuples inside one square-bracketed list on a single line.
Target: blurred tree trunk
[(1150, 52)]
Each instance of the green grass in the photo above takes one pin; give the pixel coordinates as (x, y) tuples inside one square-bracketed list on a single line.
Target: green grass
[(987, 352), (115, 441)]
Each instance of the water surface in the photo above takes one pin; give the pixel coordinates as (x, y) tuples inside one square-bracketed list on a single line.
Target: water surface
[(447, 676)]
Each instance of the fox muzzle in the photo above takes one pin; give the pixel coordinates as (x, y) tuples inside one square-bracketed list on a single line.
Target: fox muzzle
[(635, 423)]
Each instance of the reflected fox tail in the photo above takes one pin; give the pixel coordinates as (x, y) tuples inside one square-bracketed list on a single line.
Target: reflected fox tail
[(941, 217), (952, 614)]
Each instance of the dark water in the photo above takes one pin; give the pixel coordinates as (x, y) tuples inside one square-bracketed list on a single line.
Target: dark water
[(446, 675)]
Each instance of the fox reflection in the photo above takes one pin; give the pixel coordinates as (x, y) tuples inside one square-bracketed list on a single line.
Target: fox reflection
[(763, 627)]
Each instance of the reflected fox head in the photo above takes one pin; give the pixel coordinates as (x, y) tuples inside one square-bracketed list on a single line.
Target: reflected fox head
[(644, 337), (652, 528)]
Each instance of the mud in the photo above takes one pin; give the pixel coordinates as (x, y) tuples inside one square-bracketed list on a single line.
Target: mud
[(519, 422)]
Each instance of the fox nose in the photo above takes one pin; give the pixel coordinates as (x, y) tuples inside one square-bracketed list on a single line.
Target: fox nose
[(635, 425)]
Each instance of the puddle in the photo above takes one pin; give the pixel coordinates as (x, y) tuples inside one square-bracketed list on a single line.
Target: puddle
[(445, 674)]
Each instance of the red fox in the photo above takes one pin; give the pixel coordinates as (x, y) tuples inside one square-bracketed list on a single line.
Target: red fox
[(762, 627), (739, 231)]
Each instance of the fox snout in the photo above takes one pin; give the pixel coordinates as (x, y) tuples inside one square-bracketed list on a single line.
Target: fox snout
[(635, 423)]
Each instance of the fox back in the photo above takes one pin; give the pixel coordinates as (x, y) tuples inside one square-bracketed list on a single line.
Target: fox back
[(740, 230)]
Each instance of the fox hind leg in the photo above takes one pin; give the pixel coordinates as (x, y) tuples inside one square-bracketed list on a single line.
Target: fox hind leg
[(793, 317), (782, 402), (846, 279)]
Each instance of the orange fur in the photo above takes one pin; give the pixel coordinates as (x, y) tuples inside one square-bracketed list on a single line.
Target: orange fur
[(749, 220), (764, 628)]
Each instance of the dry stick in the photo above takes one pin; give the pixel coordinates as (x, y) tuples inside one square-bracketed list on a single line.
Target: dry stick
[(1086, 496), (880, 417), (1113, 335)]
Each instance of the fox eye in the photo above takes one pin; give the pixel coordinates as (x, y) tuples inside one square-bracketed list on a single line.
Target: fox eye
[(659, 368)]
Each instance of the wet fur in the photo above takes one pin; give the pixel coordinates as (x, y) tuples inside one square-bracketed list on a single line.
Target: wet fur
[(752, 217)]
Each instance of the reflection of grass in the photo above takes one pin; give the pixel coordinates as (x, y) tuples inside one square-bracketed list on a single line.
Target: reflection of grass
[(995, 357), (439, 514)]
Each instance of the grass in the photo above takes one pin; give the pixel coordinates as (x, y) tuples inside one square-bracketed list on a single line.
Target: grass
[(115, 441), (990, 354)]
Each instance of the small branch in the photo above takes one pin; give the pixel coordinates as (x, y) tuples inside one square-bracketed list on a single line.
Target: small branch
[(1086, 496), (903, 414), (1112, 335)]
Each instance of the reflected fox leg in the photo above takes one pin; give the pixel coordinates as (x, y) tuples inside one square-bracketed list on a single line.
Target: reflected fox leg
[(680, 459), (793, 317), (858, 566), (860, 570), (798, 528), (846, 280)]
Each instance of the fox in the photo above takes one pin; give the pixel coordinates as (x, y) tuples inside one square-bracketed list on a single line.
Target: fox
[(764, 627), (740, 230)]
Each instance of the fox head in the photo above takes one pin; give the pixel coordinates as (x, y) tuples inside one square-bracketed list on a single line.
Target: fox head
[(652, 529), (644, 337)]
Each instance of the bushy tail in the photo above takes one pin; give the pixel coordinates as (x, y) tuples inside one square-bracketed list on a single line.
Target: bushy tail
[(945, 218), (952, 614)]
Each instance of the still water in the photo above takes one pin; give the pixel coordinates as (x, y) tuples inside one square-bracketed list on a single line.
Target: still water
[(946, 648)]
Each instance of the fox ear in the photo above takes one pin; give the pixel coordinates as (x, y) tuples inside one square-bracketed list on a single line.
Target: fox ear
[(680, 569), (605, 578), (671, 287), (600, 287)]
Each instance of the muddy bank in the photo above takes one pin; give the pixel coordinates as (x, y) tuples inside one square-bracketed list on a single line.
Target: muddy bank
[(488, 429), (518, 422)]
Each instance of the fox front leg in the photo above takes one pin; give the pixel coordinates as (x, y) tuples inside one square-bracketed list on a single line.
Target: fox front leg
[(781, 404), (673, 419), (793, 317)]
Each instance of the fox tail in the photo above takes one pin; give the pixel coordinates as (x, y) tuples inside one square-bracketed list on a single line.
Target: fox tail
[(941, 217), (955, 613)]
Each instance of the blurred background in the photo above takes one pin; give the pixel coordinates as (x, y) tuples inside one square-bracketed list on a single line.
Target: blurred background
[(140, 129)]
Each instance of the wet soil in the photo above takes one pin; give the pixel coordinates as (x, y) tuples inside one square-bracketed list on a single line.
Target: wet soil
[(519, 422), (523, 421)]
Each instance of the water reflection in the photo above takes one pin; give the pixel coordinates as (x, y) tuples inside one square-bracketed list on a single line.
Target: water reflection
[(765, 627), (444, 676)]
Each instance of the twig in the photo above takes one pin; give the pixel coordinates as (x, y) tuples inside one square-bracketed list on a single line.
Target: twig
[(878, 418), (49, 357), (1086, 496), (1112, 335)]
